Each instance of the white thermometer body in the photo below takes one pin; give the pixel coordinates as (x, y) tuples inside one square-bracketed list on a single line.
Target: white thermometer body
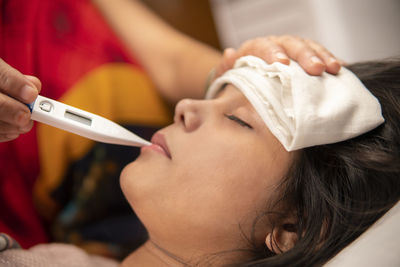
[(83, 123)]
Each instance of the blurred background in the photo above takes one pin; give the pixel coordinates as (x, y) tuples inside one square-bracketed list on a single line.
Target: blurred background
[(354, 30), (56, 186)]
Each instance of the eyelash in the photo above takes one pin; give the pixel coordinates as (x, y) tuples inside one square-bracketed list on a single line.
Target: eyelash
[(236, 119)]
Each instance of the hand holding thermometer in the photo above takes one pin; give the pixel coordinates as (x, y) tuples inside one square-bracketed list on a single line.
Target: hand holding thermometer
[(83, 123)]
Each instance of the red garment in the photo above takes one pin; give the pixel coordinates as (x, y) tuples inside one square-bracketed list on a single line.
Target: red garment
[(58, 41)]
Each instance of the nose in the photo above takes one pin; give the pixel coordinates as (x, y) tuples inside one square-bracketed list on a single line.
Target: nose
[(188, 112)]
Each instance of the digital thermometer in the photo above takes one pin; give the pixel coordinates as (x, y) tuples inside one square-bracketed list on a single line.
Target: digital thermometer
[(83, 123)]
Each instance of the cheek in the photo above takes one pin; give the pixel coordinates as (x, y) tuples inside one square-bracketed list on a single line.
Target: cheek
[(211, 169), (210, 185), (227, 181)]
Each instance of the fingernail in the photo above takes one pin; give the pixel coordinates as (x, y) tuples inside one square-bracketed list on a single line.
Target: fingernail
[(334, 61), (23, 118), (333, 65), (28, 93), (281, 55), (316, 60)]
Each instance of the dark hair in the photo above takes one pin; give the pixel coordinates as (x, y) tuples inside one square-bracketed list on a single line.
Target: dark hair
[(338, 190)]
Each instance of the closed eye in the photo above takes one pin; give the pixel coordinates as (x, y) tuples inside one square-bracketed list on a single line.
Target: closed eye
[(239, 121)]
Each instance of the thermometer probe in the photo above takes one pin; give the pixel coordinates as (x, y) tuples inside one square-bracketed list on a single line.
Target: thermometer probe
[(83, 123)]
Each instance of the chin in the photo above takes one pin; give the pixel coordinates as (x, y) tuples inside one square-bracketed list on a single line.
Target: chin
[(126, 177), (139, 180), (133, 171)]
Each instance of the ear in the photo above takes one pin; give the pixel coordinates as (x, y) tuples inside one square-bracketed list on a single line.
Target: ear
[(282, 238)]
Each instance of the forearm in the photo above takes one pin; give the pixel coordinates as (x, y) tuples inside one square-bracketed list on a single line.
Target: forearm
[(177, 64)]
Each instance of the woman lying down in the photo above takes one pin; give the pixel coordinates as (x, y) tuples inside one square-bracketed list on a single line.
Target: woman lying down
[(273, 168)]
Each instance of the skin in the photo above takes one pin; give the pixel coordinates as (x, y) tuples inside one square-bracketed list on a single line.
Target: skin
[(16, 90), (181, 80), (203, 199), (169, 63), (179, 67), (206, 230)]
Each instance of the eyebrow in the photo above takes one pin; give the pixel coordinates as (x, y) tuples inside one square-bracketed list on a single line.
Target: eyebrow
[(220, 90), (255, 119)]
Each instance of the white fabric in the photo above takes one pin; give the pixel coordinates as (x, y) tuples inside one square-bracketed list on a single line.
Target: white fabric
[(378, 246), (303, 110), (53, 255)]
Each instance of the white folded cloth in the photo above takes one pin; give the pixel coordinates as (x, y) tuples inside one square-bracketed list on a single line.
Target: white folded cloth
[(303, 110)]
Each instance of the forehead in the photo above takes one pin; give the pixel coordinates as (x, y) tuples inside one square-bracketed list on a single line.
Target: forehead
[(230, 92)]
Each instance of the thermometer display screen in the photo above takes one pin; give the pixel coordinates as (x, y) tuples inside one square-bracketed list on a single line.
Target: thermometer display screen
[(77, 117)]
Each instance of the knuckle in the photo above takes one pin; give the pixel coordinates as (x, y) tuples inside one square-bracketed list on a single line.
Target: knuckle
[(3, 104), (8, 129), (8, 137), (307, 50), (299, 38), (3, 137), (5, 79), (10, 81), (285, 37), (289, 38), (309, 41), (36, 82), (314, 45), (251, 43), (23, 118)]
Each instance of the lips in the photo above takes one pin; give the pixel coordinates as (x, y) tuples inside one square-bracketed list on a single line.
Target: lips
[(158, 139)]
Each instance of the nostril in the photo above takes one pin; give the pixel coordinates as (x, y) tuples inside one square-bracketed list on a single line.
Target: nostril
[(187, 114), (182, 119)]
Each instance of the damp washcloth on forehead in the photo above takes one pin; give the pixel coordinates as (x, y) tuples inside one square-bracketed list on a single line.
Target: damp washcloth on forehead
[(303, 110)]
